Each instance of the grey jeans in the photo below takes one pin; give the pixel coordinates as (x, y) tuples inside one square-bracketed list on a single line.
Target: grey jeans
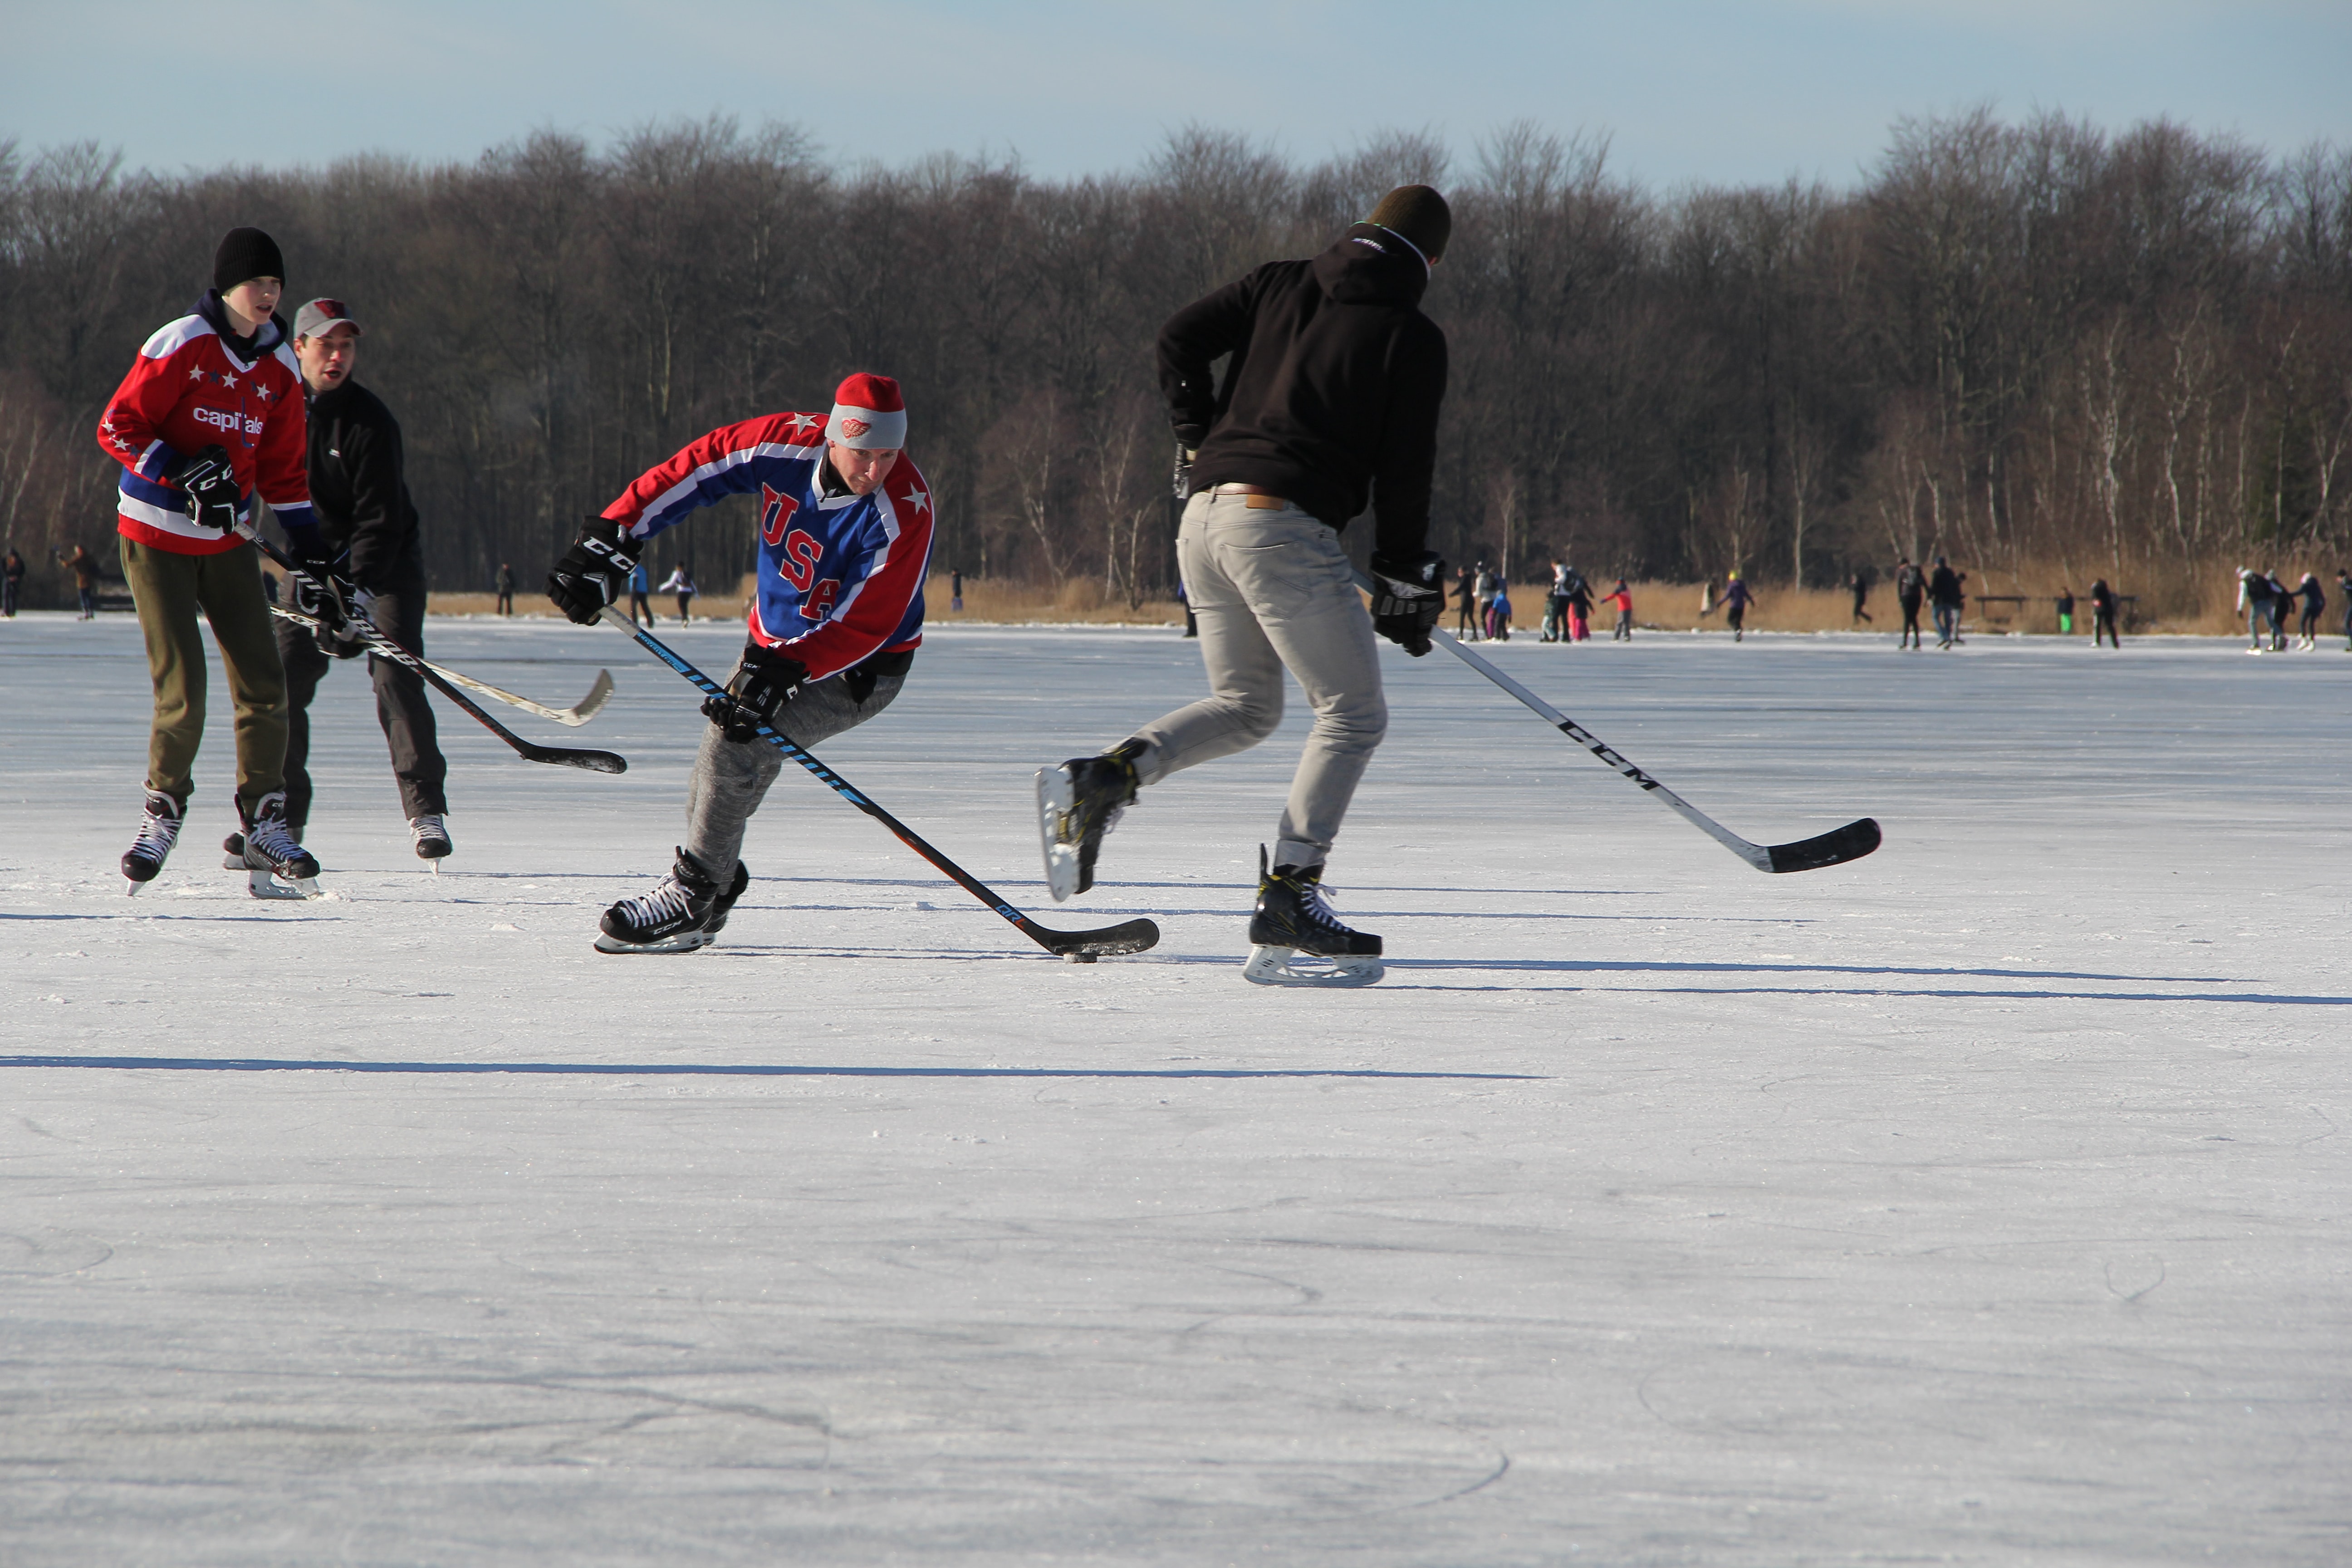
[(1274, 590), (731, 777)]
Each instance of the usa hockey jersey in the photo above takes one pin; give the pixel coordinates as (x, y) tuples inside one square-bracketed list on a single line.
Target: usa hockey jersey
[(840, 577), (188, 391)]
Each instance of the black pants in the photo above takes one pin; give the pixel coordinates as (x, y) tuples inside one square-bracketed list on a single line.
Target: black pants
[(1910, 622), (400, 704), (2103, 625)]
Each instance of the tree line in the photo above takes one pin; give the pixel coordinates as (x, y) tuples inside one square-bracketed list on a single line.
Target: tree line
[(2030, 344)]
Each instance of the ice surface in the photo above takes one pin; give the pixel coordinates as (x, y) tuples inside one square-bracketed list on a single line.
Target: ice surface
[(1981, 1202)]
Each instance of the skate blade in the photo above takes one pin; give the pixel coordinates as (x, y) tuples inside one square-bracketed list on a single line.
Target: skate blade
[(131, 890), (1055, 798), (263, 883), (1288, 967), (685, 941)]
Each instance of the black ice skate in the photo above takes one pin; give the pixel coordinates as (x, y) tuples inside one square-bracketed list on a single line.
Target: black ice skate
[(684, 912), (276, 866), (158, 831), (431, 834), (1077, 803), (1294, 921)]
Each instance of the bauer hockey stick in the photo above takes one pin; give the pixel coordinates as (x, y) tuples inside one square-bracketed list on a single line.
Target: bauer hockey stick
[(1078, 946), (1835, 847), (587, 708), (530, 752)]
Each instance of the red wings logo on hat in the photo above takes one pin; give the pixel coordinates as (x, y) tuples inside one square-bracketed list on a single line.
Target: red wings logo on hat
[(853, 428), (332, 307)]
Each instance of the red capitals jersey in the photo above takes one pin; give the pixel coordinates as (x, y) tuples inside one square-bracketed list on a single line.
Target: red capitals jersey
[(841, 577), (188, 392)]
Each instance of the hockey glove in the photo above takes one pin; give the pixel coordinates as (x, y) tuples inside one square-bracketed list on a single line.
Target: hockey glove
[(764, 682), (1181, 481), (1408, 598), (211, 485), (591, 573), (336, 605)]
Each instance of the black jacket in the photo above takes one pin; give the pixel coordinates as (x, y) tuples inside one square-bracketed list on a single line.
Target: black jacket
[(357, 486), (1944, 588), (1332, 395)]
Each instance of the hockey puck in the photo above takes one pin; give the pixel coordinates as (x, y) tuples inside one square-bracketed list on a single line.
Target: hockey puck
[(1080, 957)]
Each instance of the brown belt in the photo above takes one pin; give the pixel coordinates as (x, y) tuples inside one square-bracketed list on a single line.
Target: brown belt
[(1256, 499)]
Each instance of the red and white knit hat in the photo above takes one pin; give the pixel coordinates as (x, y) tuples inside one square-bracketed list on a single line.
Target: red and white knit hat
[(868, 415)]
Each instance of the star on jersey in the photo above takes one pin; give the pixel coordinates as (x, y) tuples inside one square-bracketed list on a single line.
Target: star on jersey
[(803, 422), (196, 372), (262, 393), (227, 380), (921, 500)]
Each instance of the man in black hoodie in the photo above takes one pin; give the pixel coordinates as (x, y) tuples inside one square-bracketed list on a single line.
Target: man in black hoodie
[(1330, 400), (360, 494)]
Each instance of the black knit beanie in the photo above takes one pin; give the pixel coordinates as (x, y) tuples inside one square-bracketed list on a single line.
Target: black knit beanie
[(246, 253), (1419, 215)]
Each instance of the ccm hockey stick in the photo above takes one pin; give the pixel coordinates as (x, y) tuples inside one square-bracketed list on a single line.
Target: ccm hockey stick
[(587, 709), (562, 756), (1077, 946), (1835, 847)]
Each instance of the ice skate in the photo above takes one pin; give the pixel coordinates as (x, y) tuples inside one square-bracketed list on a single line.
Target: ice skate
[(431, 836), (1294, 922), (158, 831), (1077, 803), (276, 866), (684, 912)]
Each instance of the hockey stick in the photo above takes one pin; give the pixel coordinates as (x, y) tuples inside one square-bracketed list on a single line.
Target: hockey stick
[(1078, 946), (600, 689), (1835, 847), (530, 752)]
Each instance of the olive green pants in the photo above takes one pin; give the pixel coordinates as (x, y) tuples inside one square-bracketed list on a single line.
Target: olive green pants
[(169, 589)]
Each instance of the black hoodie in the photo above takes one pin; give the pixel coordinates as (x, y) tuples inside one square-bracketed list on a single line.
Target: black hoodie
[(1332, 395)]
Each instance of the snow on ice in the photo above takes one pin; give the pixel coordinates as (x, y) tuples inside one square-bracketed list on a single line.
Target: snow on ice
[(1983, 1201)]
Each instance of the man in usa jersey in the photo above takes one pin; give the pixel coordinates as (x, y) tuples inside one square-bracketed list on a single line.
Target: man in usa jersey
[(845, 542)]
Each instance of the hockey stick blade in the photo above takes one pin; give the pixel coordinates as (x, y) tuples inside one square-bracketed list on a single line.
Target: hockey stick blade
[(1835, 847), (586, 709), (1852, 842), (384, 647), (1081, 946)]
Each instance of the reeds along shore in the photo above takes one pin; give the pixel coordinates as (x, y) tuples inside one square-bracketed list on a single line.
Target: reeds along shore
[(2171, 601)]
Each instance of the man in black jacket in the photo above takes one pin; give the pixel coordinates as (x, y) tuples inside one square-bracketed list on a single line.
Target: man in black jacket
[(1330, 400), (361, 496)]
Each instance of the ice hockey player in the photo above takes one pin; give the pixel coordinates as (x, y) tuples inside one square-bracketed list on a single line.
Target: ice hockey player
[(845, 541), (360, 495), (210, 416), (1333, 392)]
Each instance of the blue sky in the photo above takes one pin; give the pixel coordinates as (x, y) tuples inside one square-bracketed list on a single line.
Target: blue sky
[(1704, 90)]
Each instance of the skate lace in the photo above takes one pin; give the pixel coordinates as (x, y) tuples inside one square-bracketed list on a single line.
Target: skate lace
[(273, 839), (668, 901), (1315, 906), (157, 834), (428, 826)]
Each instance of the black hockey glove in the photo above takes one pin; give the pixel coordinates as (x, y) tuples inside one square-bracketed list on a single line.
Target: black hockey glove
[(1408, 598), (764, 683), (591, 573), (1181, 481), (211, 485), (336, 605)]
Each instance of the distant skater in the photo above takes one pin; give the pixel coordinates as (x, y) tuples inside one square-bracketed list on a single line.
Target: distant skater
[(1735, 600), (505, 585), (2102, 614), (681, 583), (1465, 624), (12, 574), (2065, 611), (1622, 597), (1910, 593), (1485, 596), (2344, 586), (641, 587), (1946, 595), (2254, 603), (84, 567), (955, 595), (1579, 607), (1861, 586), (1498, 612), (2315, 599)]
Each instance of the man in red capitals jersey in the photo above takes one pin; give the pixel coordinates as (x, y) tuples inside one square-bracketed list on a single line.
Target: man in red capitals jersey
[(845, 541), (210, 416)]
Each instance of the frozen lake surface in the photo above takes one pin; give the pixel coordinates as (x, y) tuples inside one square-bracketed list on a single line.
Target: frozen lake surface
[(1982, 1202)]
